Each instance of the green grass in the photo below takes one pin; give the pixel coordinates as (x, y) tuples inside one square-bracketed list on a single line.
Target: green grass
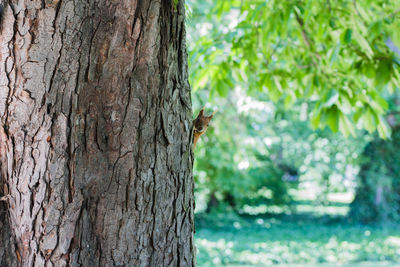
[(226, 239)]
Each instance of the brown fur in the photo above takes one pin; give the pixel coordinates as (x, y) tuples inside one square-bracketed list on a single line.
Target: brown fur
[(200, 125)]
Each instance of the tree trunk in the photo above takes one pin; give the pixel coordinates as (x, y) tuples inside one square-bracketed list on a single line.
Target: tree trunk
[(95, 108), (377, 196)]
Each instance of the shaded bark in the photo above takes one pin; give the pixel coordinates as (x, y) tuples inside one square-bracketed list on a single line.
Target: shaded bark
[(95, 129), (7, 248)]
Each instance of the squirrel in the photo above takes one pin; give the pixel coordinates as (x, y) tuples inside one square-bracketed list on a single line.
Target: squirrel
[(200, 125)]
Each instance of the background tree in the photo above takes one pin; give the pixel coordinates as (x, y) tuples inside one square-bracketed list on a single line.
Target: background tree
[(377, 196), (322, 63), (95, 109), (341, 55), (257, 151)]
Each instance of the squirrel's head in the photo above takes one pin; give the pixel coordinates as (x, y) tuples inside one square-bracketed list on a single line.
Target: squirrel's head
[(201, 122)]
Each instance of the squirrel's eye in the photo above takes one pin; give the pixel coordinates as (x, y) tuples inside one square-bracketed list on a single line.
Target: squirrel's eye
[(200, 128)]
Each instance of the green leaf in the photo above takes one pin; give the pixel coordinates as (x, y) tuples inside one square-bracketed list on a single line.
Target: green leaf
[(275, 89), (259, 45), (289, 100), (345, 126), (383, 73), (375, 29), (315, 119), (222, 88), (363, 43), (358, 114), (346, 36), (378, 104), (369, 120), (345, 104), (332, 118), (277, 84), (368, 69), (316, 81), (335, 54), (332, 97), (383, 129)]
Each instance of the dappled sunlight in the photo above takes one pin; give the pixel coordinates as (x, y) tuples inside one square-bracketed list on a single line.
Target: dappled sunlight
[(323, 210), (305, 233), (300, 165), (271, 241), (393, 240)]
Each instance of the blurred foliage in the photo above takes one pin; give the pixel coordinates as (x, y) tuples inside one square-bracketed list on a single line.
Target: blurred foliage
[(279, 72), (275, 183), (378, 187), (231, 240), (342, 56), (269, 173), (256, 151)]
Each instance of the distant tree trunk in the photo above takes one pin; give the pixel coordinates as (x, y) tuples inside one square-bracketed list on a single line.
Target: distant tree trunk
[(378, 190), (95, 108), (212, 202)]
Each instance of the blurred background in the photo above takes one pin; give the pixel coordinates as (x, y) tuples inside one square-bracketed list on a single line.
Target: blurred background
[(300, 164)]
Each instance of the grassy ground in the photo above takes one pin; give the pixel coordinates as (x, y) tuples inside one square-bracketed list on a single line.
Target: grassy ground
[(305, 239)]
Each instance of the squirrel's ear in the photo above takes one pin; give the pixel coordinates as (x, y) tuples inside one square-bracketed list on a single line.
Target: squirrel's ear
[(210, 117), (201, 112)]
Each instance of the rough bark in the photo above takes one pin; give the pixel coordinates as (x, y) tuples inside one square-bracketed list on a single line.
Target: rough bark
[(95, 109)]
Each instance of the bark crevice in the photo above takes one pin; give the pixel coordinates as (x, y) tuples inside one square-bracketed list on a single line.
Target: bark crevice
[(95, 135)]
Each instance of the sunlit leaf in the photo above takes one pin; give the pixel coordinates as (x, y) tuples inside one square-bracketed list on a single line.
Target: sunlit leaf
[(332, 118), (369, 120)]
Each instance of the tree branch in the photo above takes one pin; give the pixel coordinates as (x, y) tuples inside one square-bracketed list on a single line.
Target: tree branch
[(306, 38)]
